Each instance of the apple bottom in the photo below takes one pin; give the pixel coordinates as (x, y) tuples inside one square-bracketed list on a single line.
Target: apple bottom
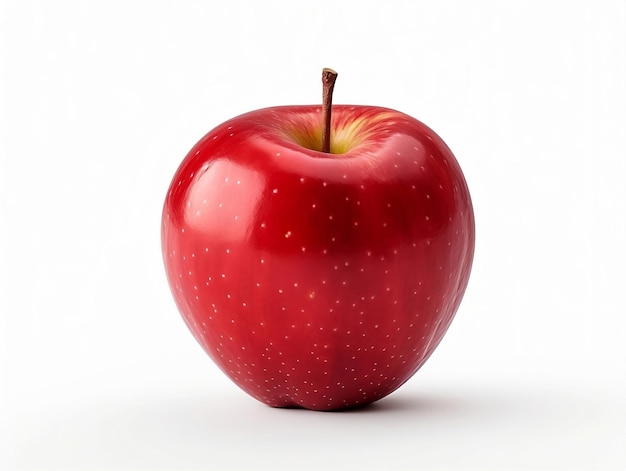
[(345, 332)]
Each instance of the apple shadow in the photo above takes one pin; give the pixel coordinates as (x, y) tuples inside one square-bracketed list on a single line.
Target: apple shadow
[(402, 402), (414, 404)]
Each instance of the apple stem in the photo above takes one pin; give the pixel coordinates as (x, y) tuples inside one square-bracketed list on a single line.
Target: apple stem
[(328, 82)]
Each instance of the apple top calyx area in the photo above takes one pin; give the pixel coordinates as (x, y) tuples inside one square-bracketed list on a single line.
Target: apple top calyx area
[(348, 132), (351, 127)]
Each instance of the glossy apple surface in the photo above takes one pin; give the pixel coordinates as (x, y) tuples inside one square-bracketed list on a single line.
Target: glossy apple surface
[(311, 279)]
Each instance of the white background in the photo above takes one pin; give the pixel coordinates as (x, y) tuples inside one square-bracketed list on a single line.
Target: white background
[(99, 103)]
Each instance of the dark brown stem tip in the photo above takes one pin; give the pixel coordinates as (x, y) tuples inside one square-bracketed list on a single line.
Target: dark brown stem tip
[(329, 76)]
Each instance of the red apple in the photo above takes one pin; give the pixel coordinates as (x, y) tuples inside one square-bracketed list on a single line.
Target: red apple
[(313, 279)]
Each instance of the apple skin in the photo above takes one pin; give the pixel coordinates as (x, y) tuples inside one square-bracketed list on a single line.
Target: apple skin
[(317, 280)]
